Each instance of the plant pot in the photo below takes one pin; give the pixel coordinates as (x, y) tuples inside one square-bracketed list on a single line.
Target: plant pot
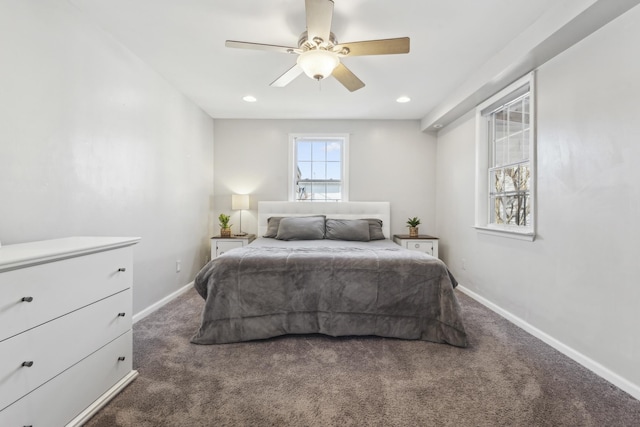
[(225, 232), (413, 231)]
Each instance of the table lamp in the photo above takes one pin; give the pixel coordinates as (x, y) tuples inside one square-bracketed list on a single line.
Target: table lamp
[(240, 202)]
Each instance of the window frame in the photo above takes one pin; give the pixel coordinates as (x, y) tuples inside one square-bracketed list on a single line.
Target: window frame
[(344, 164), (483, 164)]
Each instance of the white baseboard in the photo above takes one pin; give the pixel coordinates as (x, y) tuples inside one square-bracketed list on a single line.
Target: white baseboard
[(153, 307), (592, 365), (85, 415)]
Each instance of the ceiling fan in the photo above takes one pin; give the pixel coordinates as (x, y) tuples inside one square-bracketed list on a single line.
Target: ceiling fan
[(319, 52)]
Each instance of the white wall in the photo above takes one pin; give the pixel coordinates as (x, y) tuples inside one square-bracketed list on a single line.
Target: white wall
[(388, 161), (93, 142), (578, 282)]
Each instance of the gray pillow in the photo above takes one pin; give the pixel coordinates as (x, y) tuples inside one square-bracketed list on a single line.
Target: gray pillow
[(301, 228), (272, 226), (375, 229), (348, 229)]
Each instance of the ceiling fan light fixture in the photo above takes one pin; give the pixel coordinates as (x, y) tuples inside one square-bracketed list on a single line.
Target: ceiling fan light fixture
[(318, 63)]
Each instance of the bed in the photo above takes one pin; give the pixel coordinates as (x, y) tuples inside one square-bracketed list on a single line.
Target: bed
[(340, 284)]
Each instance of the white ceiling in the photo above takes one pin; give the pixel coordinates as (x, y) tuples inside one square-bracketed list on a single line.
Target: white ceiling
[(184, 42)]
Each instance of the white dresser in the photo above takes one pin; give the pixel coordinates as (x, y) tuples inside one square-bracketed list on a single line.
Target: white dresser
[(65, 328)]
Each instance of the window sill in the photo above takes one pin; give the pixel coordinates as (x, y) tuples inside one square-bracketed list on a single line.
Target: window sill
[(527, 235)]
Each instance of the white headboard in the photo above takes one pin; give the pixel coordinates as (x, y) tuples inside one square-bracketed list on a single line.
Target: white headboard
[(344, 210)]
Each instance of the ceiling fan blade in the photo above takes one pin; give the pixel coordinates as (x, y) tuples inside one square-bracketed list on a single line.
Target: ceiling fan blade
[(319, 15), (260, 46), (375, 47), (287, 77), (347, 78)]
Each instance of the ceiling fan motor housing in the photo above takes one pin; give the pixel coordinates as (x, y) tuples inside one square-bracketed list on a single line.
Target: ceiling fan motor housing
[(305, 44)]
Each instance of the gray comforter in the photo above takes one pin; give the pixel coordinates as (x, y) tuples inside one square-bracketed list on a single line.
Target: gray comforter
[(261, 292)]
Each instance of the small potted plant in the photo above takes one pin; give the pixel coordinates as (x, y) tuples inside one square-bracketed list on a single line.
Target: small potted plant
[(225, 227), (413, 223)]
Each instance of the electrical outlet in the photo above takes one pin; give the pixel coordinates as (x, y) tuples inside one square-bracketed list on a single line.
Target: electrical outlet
[(178, 266)]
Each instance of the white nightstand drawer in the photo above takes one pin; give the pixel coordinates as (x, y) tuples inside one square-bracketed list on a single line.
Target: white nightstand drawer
[(222, 247), (59, 287), (423, 243), (59, 344), (73, 390), (422, 246)]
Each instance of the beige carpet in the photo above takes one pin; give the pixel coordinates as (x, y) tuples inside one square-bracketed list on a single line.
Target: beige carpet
[(505, 378)]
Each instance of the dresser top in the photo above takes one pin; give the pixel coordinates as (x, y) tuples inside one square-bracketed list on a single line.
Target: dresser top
[(25, 254)]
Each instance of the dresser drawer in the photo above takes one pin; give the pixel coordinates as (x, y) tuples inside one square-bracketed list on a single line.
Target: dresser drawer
[(58, 401), (59, 287), (59, 344)]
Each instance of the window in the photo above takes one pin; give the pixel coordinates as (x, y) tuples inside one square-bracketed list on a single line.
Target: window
[(319, 168), (505, 162)]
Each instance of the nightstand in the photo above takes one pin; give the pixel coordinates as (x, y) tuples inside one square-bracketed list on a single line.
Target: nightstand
[(220, 245), (422, 243)]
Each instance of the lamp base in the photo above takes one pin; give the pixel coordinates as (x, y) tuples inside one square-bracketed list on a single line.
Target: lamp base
[(240, 234)]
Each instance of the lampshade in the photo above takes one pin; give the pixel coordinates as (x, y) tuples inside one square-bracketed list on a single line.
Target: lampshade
[(318, 63), (240, 201)]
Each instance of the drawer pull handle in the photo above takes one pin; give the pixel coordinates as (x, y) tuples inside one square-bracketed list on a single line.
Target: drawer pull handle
[(27, 364), (121, 314), (27, 299), (122, 269), (121, 358)]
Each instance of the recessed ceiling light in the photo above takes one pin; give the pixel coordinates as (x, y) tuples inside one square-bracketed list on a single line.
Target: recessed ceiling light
[(250, 98), (437, 126), (403, 99)]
